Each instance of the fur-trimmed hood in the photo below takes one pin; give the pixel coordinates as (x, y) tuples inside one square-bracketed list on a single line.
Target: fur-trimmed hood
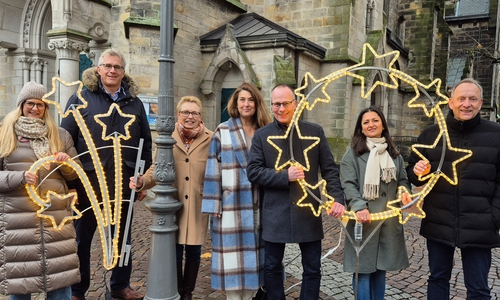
[(90, 80)]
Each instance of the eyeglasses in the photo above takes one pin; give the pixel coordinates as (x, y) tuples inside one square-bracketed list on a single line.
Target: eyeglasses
[(108, 67), (30, 105), (286, 104), (186, 113)]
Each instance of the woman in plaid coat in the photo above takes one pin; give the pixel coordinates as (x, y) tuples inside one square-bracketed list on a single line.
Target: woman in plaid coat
[(232, 201)]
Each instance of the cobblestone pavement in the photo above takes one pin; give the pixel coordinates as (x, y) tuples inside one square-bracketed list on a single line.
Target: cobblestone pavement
[(407, 284)]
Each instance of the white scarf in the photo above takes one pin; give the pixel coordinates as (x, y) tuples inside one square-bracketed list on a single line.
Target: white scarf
[(379, 159)]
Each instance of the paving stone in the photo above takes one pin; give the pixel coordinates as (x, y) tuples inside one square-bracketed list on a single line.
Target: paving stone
[(335, 285)]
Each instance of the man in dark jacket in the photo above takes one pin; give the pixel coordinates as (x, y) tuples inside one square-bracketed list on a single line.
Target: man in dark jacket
[(465, 215), (283, 221), (106, 85)]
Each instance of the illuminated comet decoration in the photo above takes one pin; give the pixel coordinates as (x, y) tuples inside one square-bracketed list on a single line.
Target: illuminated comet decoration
[(44, 203), (394, 207), (107, 211)]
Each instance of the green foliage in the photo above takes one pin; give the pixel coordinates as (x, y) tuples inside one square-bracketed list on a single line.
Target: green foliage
[(338, 146), (284, 70)]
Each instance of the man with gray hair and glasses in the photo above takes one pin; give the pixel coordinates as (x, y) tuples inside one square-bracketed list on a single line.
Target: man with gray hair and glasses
[(107, 84), (466, 215)]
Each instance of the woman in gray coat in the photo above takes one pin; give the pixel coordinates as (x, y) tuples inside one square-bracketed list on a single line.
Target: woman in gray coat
[(35, 256), (371, 171)]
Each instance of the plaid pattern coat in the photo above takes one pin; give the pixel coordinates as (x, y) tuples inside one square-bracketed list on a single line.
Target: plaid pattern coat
[(237, 248)]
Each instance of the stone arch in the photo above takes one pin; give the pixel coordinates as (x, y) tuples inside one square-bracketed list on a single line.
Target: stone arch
[(36, 21), (229, 50), (228, 57), (33, 57), (213, 104)]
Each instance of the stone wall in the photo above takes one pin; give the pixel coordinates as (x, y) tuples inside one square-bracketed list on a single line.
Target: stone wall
[(193, 18), (340, 26), (477, 42), (7, 91), (324, 22), (420, 28)]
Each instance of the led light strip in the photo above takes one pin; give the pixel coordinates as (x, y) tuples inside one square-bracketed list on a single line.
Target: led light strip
[(393, 209), (106, 217)]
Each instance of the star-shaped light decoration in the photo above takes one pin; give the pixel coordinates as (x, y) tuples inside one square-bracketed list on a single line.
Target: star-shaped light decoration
[(442, 99), (45, 202), (393, 55), (323, 205), (304, 99), (101, 206), (394, 76), (62, 113), (107, 118), (312, 140), (115, 136), (417, 212), (54, 216), (463, 153)]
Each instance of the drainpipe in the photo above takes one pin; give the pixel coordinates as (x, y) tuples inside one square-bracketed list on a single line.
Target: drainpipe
[(496, 70)]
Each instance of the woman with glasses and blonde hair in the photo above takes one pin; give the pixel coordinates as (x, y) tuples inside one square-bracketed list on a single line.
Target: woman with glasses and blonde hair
[(232, 201), (190, 156), (35, 257)]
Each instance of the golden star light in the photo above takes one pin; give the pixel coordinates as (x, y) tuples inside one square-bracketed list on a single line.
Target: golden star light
[(323, 204), (433, 110), (372, 52), (312, 140), (108, 219), (45, 202)]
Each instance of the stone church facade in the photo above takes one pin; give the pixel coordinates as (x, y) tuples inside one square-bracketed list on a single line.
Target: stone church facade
[(221, 43)]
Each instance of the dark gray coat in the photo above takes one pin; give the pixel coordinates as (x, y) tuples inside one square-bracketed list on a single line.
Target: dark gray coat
[(386, 249), (282, 220)]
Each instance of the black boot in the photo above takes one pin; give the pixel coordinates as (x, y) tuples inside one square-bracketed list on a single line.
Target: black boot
[(190, 275), (179, 279)]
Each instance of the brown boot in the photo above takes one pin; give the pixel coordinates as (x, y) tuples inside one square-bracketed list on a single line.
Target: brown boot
[(190, 275), (179, 279)]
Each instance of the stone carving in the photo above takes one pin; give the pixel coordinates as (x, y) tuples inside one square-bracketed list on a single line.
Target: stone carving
[(39, 63), (99, 33), (26, 61), (67, 44), (27, 20)]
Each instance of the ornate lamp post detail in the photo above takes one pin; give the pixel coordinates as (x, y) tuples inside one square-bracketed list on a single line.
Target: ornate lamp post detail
[(162, 278)]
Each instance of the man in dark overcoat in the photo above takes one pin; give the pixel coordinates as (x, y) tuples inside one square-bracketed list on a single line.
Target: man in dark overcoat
[(283, 221)]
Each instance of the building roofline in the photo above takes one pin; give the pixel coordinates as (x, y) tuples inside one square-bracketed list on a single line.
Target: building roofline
[(274, 35)]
